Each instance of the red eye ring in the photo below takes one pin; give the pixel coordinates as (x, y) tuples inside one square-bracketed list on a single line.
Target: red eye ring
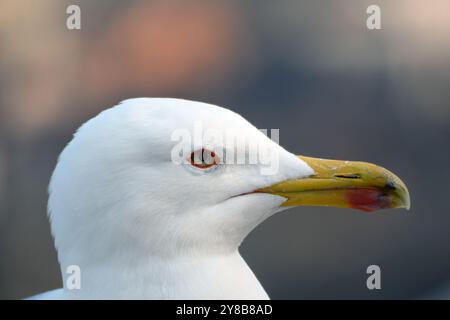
[(203, 159)]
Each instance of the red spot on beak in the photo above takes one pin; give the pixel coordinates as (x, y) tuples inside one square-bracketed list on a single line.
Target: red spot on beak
[(368, 199)]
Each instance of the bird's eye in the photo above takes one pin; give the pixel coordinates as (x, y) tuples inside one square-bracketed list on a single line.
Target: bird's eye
[(204, 159)]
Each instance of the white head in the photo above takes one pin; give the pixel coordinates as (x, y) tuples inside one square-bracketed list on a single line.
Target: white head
[(116, 191)]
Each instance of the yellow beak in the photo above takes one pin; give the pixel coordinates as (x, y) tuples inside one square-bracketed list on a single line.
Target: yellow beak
[(345, 184)]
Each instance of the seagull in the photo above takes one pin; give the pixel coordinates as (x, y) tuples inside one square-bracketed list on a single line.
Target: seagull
[(136, 222)]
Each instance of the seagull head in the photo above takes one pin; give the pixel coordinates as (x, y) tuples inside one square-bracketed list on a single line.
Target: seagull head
[(170, 177)]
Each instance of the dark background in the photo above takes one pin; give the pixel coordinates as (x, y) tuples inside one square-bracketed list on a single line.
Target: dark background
[(310, 68)]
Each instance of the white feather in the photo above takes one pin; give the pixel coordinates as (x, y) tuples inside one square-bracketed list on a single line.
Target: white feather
[(140, 226)]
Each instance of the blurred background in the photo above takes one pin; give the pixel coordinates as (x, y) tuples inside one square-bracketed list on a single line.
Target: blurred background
[(310, 68)]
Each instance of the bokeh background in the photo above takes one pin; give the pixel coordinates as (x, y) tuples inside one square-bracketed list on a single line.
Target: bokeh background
[(310, 68)]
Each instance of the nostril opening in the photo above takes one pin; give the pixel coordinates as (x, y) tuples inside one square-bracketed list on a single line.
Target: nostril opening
[(348, 176), (390, 185)]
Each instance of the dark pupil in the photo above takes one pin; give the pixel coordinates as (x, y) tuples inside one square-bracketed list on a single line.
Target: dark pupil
[(202, 157), (203, 153)]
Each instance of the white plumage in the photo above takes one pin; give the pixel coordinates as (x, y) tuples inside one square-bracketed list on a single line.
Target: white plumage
[(140, 226)]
